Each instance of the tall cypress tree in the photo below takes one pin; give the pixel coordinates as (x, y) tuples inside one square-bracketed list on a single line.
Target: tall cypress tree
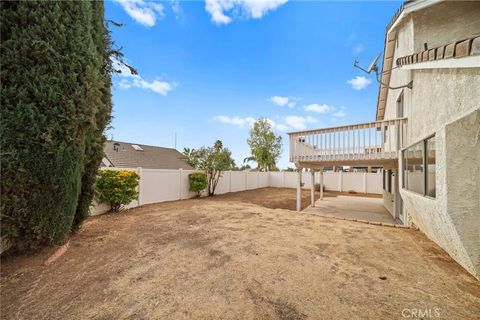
[(102, 99), (55, 99)]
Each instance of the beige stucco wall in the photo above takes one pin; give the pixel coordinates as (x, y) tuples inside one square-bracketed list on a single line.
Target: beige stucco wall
[(444, 102), (446, 22), (463, 182)]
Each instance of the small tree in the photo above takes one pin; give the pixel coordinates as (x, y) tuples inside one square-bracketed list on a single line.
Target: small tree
[(197, 182), (265, 146), (213, 161), (191, 156), (117, 188)]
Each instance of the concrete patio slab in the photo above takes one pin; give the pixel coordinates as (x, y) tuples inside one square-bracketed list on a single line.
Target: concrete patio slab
[(366, 209)]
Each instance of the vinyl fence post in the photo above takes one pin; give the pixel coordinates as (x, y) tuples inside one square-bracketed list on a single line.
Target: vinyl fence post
[(139, 189), (340, 180), (365, 182), (180, 171)]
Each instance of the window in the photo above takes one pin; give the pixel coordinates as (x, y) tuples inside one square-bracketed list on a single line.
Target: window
[(383, 180), (389, 181), (430, 164), (413, 169), (419, 167), (137, 147)]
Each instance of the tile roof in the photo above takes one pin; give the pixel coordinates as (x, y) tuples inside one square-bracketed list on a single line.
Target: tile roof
[(150, 157), (457, 49)]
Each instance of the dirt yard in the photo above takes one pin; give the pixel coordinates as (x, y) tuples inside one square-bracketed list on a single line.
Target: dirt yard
[(229, 257)]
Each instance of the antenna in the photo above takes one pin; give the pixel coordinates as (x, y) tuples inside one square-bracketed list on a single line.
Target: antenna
[(373, 67), (175, 140)]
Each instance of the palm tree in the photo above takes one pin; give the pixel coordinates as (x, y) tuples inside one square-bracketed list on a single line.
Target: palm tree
[(218, 145)]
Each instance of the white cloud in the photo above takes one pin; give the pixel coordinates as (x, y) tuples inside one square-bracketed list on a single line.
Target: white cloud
[(157, 86), (299, 123), (340, 114), (358, 49), (224, 11), (352, 43), (124, 84), (282, 127), (176, 8), (130, 80), (359, 82), (122, 70), (278, 126), (319, 108), (143, 12), (283, 101), (236, 121), (248, 121)]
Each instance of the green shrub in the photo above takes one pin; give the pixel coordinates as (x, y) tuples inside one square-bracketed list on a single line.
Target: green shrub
[(198, 182), (117, 187)]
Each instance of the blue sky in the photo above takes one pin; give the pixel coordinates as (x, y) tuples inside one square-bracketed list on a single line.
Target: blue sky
[(208, 68)]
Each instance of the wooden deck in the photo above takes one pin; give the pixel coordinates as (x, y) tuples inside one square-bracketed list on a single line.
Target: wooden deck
[(372, 142)]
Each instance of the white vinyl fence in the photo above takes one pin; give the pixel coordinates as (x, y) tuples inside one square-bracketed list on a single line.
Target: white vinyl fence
[(158, 185)]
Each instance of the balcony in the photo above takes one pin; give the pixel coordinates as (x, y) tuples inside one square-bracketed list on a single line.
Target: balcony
[(371, 142)]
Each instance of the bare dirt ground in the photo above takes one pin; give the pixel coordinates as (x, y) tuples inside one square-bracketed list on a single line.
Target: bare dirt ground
[(228, 257)]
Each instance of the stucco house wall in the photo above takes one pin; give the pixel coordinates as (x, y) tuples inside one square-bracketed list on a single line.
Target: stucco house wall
[(444, 102), (446, 22)]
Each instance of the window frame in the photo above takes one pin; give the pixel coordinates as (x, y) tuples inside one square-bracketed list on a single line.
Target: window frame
[(425, 166), (404, 162), (383, 180), (389, 181)]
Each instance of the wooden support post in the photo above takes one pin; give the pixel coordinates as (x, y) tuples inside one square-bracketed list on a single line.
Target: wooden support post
[(299, 189), (321, 184), (312, 187)]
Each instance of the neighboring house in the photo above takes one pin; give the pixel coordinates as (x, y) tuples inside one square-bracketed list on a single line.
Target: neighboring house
[(130, 155), (427, 129)]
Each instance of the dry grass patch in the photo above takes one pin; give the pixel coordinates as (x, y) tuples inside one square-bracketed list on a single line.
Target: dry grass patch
[(223, 258)]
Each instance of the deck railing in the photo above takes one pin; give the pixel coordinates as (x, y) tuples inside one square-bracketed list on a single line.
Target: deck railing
[(364, 141)]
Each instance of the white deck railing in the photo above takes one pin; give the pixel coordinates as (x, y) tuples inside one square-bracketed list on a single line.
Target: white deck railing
[(364, 141)]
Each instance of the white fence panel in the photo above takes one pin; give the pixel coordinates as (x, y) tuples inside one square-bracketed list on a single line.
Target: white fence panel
[(290, 180), (166, 185), (374, 183), (306, 180), (239, 181), (263, 179), (276, 179), (331, 181), (353, 181), (252, 180), (223, 185), (159, 185)]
